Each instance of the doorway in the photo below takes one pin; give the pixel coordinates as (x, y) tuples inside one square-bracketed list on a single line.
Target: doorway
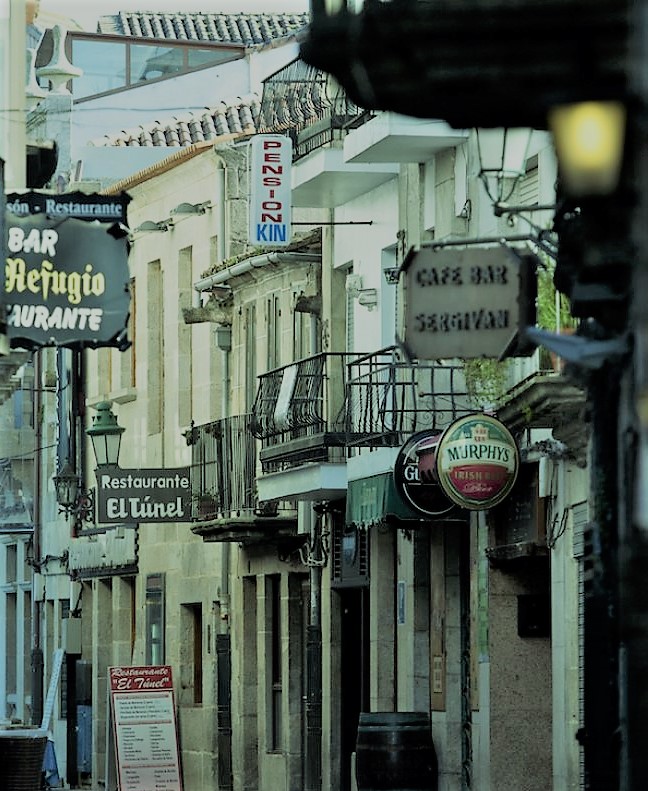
[(354, 664)]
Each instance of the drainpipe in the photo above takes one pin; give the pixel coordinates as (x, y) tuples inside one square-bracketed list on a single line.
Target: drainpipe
[(313, 779), (223, 336), (255, 262), (37, 663)]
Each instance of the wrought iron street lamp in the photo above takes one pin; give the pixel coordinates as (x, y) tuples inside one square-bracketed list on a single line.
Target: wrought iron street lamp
[(502, 160), (71, 498), (105, 434)]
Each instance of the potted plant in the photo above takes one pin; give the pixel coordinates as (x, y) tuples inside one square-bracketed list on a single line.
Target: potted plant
[(486, 379), (206, 506), (553, 311)]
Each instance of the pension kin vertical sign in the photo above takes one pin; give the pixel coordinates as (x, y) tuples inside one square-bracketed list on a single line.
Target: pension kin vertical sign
[(270, 190)]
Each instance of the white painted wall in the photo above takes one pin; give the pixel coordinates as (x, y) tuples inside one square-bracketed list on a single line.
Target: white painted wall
[(363, 248)]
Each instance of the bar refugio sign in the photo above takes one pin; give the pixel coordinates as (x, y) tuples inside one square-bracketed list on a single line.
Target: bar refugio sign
[(145, 729), (133, 496), (66, 279), (270, 190)]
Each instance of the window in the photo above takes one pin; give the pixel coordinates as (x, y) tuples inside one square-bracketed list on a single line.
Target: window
[(63, 684), (250, 353), (110, 65), (12, 563), (350, 314), (155, 619), (185, 336), (305, 335), (103, 69), (274, 654), (155, 356), (128, 358), (273, 323), (191, 654)]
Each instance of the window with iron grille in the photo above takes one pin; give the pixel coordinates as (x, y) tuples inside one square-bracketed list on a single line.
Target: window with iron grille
[(273, 592), (155, 585)]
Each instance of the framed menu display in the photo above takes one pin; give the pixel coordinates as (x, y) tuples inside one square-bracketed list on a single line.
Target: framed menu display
[(145, 728)]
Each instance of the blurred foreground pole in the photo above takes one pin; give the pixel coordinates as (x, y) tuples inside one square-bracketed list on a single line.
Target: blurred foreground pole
[(633, 546)]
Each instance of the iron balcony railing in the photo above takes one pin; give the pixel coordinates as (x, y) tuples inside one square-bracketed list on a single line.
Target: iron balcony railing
[(321, 407), (223, 471), (298, 412), (388, 398), (309, 106), (317, 408)]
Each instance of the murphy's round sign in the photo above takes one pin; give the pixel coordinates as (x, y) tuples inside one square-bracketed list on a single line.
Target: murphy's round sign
[(477, 461), (415, 476)]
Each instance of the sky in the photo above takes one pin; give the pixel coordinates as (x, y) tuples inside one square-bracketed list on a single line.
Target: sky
[(86, 12)]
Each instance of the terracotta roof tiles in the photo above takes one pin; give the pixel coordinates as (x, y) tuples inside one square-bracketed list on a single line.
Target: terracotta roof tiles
[(235, 116), (241, 28)]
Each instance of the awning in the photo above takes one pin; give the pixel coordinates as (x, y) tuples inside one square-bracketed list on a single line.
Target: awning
[(374, 500)]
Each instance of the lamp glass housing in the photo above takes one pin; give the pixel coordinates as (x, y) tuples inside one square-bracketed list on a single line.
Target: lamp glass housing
[(502, 160), (105, 434), (589, 137), (66, 484), (324, 8)]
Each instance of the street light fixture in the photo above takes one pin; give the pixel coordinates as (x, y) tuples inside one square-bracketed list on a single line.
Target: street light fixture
[(502, 160), (105, 434), (71, 499), (589, 141)]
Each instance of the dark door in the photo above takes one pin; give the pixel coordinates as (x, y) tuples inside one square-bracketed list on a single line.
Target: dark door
[(354, 663)]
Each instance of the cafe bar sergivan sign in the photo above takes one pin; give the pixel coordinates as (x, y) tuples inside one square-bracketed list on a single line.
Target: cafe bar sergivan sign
[(66, 279), (468, 303)]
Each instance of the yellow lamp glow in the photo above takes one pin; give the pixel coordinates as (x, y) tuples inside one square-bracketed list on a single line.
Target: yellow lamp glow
[(589, 143)]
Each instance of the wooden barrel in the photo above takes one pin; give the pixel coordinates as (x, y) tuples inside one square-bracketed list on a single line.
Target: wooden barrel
[(394, 752), (21, 758)]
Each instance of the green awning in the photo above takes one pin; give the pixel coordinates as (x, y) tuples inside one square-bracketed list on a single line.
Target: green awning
[(373, 500)]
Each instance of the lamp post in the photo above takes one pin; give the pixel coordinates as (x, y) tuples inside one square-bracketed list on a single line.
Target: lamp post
[(589, 138), (502, 160), (71, 498), (105, 434)]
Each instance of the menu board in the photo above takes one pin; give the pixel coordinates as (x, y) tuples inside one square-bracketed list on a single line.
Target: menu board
[(145, 730)]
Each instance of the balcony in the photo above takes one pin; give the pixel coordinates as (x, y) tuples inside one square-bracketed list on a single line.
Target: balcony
[(298, 416), (309, 415), (297, 409), (390, 137), (308, 106), (388, 398), (225, 504)]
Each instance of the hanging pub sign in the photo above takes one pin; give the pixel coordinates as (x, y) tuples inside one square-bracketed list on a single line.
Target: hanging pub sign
[(415, 475), (477, 461), (133, 496), (270, 190), (473, 302), (66, 279)]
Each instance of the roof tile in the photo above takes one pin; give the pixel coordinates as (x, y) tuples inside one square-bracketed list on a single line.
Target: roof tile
[(241, 28), (235, 116)]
